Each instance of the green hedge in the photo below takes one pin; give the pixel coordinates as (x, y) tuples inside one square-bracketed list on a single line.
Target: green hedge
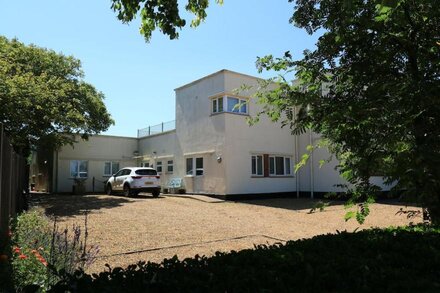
[(394, 259)]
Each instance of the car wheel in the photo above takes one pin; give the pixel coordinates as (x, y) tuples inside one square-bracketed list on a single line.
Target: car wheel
[(109, 190), (127, 190), (156, 193)]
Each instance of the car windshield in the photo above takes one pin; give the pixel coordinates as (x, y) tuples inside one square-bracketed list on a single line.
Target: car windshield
[(146, 172)]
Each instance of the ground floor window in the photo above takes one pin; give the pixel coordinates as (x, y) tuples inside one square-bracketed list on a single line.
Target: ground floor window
[(79, 169), (279, 166), (145, 164), (198, 163), (159, 167), (111, 168), (257, 165), (170, 166), (266, 165), (199, 166)]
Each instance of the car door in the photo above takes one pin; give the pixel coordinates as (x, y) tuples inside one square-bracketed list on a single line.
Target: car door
[(118, 179)]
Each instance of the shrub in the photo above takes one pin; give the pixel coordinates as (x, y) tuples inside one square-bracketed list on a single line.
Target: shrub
[(5, 261), (40, 250), (394, 259)]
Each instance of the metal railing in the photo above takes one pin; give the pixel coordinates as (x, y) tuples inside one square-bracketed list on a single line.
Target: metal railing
[(14, 179), (155, 129)]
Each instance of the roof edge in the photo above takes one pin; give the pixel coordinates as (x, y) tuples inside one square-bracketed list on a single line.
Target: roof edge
[(213, 74)]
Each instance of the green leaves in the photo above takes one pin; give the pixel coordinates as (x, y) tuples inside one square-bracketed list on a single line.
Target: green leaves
[(44, 97), (164, 15)]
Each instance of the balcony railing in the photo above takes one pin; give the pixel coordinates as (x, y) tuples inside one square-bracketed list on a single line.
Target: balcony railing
[(155, 129)]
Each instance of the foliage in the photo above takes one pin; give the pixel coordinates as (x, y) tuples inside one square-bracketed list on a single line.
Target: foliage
[(164, 15), (5, 261), (391, 259), (40, 251), (44, 97), (371, 88)]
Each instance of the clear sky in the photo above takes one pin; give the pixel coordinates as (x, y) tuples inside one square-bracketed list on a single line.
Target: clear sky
[(138, 78)]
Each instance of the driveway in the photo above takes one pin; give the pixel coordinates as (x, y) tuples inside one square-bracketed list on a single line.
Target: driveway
[(144, 228)]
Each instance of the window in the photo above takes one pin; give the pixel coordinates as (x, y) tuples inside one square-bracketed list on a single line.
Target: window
[(233, 105), (287, 165), (217, 105), (170, 166), (145, 172), (159, 167), (110, 168), (189, 166), (145, 164), (257, 165), (279, 166), (199, 166), (237, 105), (78, 169)]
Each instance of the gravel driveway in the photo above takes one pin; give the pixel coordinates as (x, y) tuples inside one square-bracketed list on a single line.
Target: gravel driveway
[(151, 229)]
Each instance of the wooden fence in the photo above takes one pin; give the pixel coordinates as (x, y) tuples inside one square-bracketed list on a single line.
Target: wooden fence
[(14, 178)]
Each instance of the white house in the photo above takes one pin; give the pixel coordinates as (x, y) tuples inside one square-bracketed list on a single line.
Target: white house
[(211, 147)]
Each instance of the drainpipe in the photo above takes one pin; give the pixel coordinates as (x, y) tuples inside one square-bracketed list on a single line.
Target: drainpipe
[(296, 157), (312, 181)]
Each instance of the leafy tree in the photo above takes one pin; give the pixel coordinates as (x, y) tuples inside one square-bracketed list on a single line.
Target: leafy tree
[(371, 87), (44, 99), (164, 15)]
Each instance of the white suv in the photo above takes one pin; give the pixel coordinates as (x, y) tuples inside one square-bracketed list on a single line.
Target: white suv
[(132, 180)]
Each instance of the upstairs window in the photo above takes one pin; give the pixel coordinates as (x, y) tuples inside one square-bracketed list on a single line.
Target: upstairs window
[(229, 104), (217, 105), (236, 105)]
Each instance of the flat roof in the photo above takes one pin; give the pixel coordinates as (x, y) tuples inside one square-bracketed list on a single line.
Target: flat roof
[(216, 73)]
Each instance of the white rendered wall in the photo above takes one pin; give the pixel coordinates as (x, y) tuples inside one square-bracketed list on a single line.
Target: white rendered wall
[(97, 150), (200, 135), (161, 147), (242, 140)]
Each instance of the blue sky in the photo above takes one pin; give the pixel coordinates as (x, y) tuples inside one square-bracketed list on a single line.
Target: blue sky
[(138, 78)]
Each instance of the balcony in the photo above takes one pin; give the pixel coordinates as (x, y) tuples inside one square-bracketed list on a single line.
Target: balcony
[(156, 129)]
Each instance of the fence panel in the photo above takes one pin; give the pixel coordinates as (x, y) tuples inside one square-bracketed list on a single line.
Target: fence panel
[(13, 181)]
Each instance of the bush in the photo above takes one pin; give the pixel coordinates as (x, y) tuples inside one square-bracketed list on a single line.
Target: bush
[(41, 251), (394, 259), (5, 261)]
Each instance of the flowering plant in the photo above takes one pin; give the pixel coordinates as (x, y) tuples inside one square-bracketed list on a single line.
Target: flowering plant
[(41, 250)]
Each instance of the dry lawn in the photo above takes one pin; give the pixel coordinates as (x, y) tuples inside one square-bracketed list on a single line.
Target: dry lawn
[(144, 228)]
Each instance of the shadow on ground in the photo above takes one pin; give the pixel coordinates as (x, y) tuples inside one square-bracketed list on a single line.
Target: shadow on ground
[(307, 204), (74, 205), (294, 204)]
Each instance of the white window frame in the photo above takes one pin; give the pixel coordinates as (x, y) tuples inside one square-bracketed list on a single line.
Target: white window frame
[(241, 102), (215, 104), (159, 165), (78, 172), (194, 171), (170, 165), (223, 101), (189, 172), (286, 169), (111, 167), (256, 158)]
